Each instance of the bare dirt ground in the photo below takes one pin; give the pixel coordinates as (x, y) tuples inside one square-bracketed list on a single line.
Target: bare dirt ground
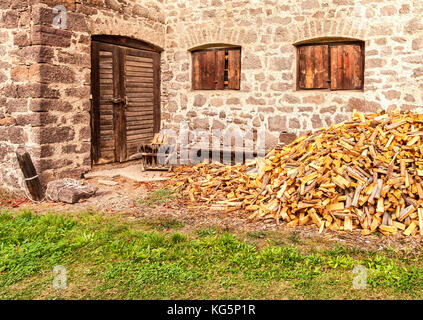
[(117, 195)]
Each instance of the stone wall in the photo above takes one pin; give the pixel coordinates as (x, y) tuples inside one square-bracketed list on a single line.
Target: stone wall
[(15, 91), (267, 31), (45, 72), (45, 82)]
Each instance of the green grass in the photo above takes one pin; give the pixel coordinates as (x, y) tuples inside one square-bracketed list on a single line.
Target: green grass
[(156, 197), (257, 235), (207, 232), (164, 223), (107, 258)]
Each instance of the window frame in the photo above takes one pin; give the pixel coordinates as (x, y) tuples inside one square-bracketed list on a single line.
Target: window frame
[(330, 44), (216, 49)]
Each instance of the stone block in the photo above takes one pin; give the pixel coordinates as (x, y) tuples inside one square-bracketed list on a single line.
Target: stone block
[(49, 36), (69, 190), (277, 123)]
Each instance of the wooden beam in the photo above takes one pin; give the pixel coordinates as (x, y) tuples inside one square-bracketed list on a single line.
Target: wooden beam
[(30, 174)]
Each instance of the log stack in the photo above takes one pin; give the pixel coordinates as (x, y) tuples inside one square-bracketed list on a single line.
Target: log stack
[(362, 174)]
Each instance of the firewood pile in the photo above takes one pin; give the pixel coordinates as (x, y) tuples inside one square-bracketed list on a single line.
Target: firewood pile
[(361, 174)]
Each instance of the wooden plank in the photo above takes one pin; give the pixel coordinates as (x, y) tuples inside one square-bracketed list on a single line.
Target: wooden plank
[(301, 67), (358, 78), (140, 83), (146, 108), (116, 107), (95, 105), (146, 120), (121, 143), (145, 124), (32, 181), (134, 101), (321, 72), (310, 67), (336, 81), (139, 129), (137, 117), (137, 80), (145, 135), (157, 110), (208, 70), (106, 66), (134, 75), (144, 65), (340, 70), (348, 67), (137, 95), (105, 81), (130, 59), (220, 70), (337, 66), (318, 64), (140, 90), (132, 65), (196, 70), (131, 130), (140, 112), (234, 69)]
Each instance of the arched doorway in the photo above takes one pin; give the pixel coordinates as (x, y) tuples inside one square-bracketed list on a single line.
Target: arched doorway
[(125, 87)]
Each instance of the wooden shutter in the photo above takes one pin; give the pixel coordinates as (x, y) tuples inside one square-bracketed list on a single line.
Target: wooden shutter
[(347, 67), (209, 68), (141, 86), (234, 68), (196, 70), (204, 70), (313, 67)]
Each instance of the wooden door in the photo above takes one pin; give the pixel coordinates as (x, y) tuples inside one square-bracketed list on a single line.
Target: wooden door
[(125, 100)]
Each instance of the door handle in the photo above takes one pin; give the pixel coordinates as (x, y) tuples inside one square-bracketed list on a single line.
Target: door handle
[(123, 100), (117, 100)]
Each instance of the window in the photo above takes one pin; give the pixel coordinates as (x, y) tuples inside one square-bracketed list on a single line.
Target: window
[(216, 69), (334, 66)]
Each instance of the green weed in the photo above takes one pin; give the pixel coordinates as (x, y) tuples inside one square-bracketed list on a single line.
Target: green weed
[(156, 197)]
